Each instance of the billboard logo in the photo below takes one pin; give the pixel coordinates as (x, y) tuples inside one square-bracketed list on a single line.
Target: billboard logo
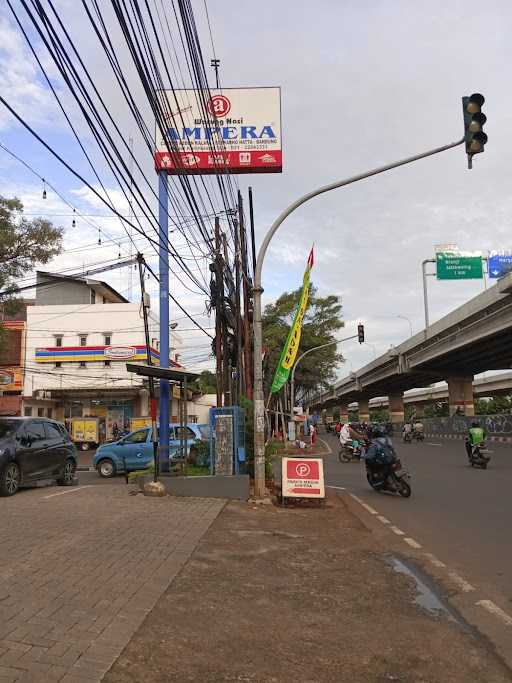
[(268, 159), (119, 352), (244, 157), (219, 106), (190, 160), (218, 160)]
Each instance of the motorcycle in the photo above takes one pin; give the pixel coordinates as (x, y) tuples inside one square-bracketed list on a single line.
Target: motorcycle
[(477, 455), (418, 435), (352, 451), (407, 437), (388, 475)]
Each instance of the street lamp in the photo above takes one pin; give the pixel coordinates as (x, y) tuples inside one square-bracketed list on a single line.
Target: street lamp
[(259, 401), (404, 317)]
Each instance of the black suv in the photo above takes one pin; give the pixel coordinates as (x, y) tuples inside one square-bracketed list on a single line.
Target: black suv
[(32, 449)]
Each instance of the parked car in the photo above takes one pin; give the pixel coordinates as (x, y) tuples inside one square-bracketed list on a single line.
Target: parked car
[(135, 451), (32, 449)]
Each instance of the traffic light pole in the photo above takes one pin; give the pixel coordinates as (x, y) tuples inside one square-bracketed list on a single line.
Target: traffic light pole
[(259, 403), (315, 348)]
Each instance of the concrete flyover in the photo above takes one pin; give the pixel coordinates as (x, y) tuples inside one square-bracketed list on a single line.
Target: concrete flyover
[(472, 339)]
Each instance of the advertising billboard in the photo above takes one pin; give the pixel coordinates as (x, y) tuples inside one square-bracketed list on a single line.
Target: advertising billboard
[(240, 132)]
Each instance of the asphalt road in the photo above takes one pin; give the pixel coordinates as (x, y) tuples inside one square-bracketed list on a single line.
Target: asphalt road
[(460, 514)]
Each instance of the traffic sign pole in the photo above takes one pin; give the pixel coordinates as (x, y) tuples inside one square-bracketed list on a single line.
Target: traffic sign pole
[(163, 221)]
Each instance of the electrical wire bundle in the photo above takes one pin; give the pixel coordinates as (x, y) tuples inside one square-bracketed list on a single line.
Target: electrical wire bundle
[(161, 41)]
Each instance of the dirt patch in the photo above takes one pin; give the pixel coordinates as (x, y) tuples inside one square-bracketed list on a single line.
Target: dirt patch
[(302, 595)]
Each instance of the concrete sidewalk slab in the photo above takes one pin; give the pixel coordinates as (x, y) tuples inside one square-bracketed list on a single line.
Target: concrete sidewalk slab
[(286, 595), (80, 572)]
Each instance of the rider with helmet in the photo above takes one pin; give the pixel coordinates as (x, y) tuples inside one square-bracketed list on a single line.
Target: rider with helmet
[(476, 437)]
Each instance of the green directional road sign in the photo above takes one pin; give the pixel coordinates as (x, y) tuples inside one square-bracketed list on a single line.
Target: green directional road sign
[(453, 266)]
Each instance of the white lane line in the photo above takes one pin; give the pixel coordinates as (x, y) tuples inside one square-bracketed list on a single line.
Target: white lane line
[(61, 493), (412, 542), (433, 559), (383, 519), (461, 583), (339, 488), (429, 443), (397, 531), (369, 509), (356, 498), (491, 607)]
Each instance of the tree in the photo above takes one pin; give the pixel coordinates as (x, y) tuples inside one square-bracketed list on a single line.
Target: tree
[(321, 322), (23, 244), (206, 383)]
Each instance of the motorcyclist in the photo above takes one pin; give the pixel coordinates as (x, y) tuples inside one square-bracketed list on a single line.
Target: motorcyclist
[(348, 436), (476, 436)]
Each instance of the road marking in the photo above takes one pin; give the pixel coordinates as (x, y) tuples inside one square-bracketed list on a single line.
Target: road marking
[(383, 519), (397, 531), (369, 509), (339, 488), (412, 542), (433, 559), (356, 498), (461, 583), (61, 493), (429, 443), (491, 607)]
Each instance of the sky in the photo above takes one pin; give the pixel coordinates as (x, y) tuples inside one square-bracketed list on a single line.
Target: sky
[(363, 83)]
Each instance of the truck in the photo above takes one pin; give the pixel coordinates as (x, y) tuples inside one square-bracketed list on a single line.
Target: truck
[(87, 432)]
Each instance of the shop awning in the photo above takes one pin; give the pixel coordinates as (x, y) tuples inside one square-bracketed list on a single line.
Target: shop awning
[(172, 374)]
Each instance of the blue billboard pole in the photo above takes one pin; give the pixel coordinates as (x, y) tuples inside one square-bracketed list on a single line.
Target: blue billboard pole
[(163, 221)]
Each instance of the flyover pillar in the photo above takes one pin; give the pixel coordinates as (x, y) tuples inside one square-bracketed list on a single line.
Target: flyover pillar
[(396, 407), (363, 410), (460, 395), (344, 413)]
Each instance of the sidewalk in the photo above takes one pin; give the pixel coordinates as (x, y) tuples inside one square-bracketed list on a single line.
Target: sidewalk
[(302, 595)]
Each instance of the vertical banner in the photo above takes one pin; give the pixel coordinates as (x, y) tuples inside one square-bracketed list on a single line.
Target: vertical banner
[(289, 352)]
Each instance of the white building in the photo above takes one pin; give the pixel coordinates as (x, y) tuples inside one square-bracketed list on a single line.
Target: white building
[(80, 334)]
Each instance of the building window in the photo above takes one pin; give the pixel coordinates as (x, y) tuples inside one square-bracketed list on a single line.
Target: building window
[(83, 340), (28, 411), (50, 412), (108, 339), (58, 341), (40, 412), (82, 364), (93, 296), (107, 363), (58, 364)]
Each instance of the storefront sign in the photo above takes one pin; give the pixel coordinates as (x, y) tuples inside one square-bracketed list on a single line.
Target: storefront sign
[(11, 379), (239, 132), (303, 478), (120, 352)]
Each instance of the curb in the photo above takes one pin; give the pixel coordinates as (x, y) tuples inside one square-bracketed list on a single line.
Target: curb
[(85, 468), (498, 439)]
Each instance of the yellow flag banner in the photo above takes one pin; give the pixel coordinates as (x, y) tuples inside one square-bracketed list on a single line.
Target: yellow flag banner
[(289, 352)]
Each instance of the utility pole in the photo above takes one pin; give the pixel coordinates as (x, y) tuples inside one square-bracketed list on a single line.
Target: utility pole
[(219, 297), (238, 315), (247, 346), (152, 397), (215, 63), (259, 403), (226, 351), (253, 240)]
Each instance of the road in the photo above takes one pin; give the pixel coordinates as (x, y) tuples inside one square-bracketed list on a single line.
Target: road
[(461, 515)]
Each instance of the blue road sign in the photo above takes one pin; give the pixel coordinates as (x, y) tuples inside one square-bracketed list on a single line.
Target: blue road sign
[(499, 265)]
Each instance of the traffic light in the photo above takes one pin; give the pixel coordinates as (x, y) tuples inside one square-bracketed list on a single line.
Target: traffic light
[(360, 333), (474, 120)]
